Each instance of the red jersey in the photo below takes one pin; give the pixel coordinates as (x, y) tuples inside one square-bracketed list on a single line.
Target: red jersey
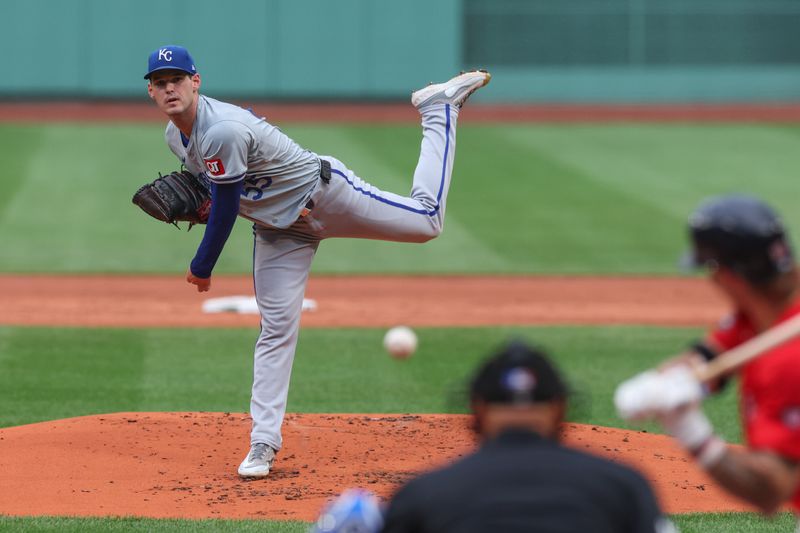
[(769, 388)]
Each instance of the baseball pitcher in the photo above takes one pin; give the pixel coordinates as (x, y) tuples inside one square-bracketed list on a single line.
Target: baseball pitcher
[(295, 198)]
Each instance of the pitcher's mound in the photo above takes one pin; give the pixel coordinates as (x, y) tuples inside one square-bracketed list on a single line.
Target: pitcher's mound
[(183, 465)]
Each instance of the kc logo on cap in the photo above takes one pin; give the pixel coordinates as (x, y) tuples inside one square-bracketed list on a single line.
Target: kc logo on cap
[(170, 57)]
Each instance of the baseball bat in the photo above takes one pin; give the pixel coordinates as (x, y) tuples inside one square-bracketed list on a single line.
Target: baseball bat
[(731, 360)]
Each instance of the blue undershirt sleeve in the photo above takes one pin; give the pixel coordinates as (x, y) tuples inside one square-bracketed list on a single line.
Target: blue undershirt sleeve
[(224, 210)]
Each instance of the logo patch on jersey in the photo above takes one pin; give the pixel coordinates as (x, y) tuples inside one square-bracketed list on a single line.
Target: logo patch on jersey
[(215, 167)]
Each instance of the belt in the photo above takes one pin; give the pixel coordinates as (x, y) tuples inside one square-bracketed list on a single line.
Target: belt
[(325, 176)]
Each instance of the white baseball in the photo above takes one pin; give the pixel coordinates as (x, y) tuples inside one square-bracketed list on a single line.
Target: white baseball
[(400, 342)]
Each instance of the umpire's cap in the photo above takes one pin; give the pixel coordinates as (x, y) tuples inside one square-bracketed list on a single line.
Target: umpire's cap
[(741, 233), (517, 374)]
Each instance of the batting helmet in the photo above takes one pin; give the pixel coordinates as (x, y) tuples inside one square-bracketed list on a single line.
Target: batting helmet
[(741, 233)]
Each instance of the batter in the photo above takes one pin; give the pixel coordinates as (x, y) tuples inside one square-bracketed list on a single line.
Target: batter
[(743, 244), (295, 198)]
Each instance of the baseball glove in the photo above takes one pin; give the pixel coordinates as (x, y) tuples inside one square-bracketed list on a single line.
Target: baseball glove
[(177, 197)]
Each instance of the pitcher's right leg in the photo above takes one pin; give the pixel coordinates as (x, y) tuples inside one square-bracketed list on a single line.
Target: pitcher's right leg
[(351, 207)]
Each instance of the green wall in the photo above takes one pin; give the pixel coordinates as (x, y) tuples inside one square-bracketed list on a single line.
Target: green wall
[(637, 50), (539, 50), (270, 48)]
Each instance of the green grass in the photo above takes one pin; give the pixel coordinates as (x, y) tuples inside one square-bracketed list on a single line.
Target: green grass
[(735, 523), (525, 198), (112, 525), (57, 373), (695, 523)]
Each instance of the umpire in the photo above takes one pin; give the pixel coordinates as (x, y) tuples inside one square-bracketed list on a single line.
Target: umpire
[(521, 478)]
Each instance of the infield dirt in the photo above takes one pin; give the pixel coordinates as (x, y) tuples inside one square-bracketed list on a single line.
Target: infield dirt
[(365, 301), (183, 465)]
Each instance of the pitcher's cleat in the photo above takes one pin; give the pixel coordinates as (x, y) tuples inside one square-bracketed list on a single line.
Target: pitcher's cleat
[(454, 92), (258, 462)]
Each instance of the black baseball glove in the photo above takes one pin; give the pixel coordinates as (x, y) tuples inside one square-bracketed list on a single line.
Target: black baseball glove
[(176, 197)]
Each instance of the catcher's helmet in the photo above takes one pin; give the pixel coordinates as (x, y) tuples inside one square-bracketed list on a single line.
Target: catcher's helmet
[(741, 233)]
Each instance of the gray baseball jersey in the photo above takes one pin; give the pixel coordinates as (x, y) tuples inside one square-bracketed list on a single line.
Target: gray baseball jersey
[(229, 143)]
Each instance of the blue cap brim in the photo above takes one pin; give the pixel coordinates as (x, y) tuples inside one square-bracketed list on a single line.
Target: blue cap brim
[(170, 67)]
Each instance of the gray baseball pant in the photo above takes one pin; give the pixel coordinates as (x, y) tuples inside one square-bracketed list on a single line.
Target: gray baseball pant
[(347, 206)]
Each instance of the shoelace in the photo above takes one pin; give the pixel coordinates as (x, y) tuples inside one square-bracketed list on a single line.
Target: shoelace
[(259, 451)]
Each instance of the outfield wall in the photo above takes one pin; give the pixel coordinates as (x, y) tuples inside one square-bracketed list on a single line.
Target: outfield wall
[(539, 50)]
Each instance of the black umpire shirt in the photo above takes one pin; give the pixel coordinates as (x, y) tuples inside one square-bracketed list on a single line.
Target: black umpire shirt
[(522, 482)]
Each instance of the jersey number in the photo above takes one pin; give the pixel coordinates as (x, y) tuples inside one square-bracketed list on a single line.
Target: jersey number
[(255, 190)]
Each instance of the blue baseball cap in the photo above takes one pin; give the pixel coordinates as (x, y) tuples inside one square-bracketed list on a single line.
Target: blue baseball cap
[(170, 57)]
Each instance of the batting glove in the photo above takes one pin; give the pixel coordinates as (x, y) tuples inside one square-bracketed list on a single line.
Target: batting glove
[(652, 393), (672, 398)]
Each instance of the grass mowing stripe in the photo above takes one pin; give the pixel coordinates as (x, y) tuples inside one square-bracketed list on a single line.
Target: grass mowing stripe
[(55, 373), (574, 223), (672, 167), (17, 151)]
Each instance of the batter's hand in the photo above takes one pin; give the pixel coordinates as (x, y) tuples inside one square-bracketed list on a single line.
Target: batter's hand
[(652, 394), (203, 284)]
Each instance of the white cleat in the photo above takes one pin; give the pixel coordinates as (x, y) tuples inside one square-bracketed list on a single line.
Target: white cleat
[(258, 462), (454, 92)]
